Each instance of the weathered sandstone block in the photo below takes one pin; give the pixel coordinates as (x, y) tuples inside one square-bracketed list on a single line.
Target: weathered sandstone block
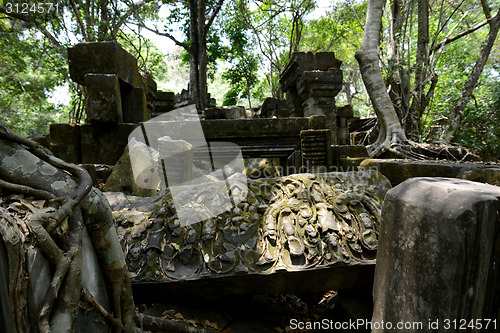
[(438, 255)]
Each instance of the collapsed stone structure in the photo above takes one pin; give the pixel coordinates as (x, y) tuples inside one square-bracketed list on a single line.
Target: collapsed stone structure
[(117, 93), (118, 99), (311, 82), (320, 228)]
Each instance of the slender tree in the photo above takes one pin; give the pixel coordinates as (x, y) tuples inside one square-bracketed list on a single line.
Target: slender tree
[(413, 62), (457, 114), (201, 15)]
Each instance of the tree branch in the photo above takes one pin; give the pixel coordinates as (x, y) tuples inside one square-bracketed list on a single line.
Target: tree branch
[(214, 14), (460, 35), (486, 8), (357, 17), (166, 34), (90, 300), (132, 10), (79, 20), (31, 21), (26, 190)]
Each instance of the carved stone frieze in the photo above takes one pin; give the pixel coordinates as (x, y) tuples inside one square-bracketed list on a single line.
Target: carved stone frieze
[(298, 222)]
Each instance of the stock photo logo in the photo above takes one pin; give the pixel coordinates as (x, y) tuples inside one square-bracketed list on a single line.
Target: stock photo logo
[(171, 151)]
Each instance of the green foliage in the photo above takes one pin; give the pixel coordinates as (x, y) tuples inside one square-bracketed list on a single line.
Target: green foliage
[(150, 59), (177, 20), (30, 69), (242, 75), (480, 128), (215, 50), (276, 28)]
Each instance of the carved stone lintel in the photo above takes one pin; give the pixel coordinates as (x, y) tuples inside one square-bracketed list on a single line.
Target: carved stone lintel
[(293, 223)]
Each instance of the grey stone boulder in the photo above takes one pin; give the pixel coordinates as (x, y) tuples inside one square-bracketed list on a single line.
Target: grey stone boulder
[(438, 256)]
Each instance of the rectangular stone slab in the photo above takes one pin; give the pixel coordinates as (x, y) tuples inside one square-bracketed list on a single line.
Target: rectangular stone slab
[(398, 171), (102, 58), (250, 247)]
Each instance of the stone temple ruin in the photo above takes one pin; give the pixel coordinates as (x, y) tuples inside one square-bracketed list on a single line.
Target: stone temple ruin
[(317, 214)]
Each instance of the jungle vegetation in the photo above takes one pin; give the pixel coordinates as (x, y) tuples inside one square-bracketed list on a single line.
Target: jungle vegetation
[(439, 59)]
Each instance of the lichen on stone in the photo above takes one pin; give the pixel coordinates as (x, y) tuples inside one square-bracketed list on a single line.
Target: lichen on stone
[(296, 222)]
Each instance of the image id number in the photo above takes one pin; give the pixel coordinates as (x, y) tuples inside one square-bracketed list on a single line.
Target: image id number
[(31, 8), (463, 324)]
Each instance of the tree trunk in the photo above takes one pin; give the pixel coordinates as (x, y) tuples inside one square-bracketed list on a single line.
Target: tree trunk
[(419, 103), (457, 114), (203, 56), (399, 79), (198, 30), (194, 82), (391, 132)]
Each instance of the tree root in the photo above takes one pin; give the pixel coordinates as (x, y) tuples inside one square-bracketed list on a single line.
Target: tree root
[(396, 144), (84, 179), (99, 221), (26, 190), (58, 259), (90, 300), (408, 149), (100, 224), (64, 313)]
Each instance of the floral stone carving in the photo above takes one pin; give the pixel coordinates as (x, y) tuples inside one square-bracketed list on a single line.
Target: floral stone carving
[(297, 222)]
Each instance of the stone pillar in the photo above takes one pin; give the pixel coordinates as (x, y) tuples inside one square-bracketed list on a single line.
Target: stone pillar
[(317, 90), (104, 100), (438, 255), (344, 114), (311, 82)]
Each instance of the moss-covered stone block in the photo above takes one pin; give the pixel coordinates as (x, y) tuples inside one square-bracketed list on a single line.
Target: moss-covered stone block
[(65, 142), (104, 143)]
